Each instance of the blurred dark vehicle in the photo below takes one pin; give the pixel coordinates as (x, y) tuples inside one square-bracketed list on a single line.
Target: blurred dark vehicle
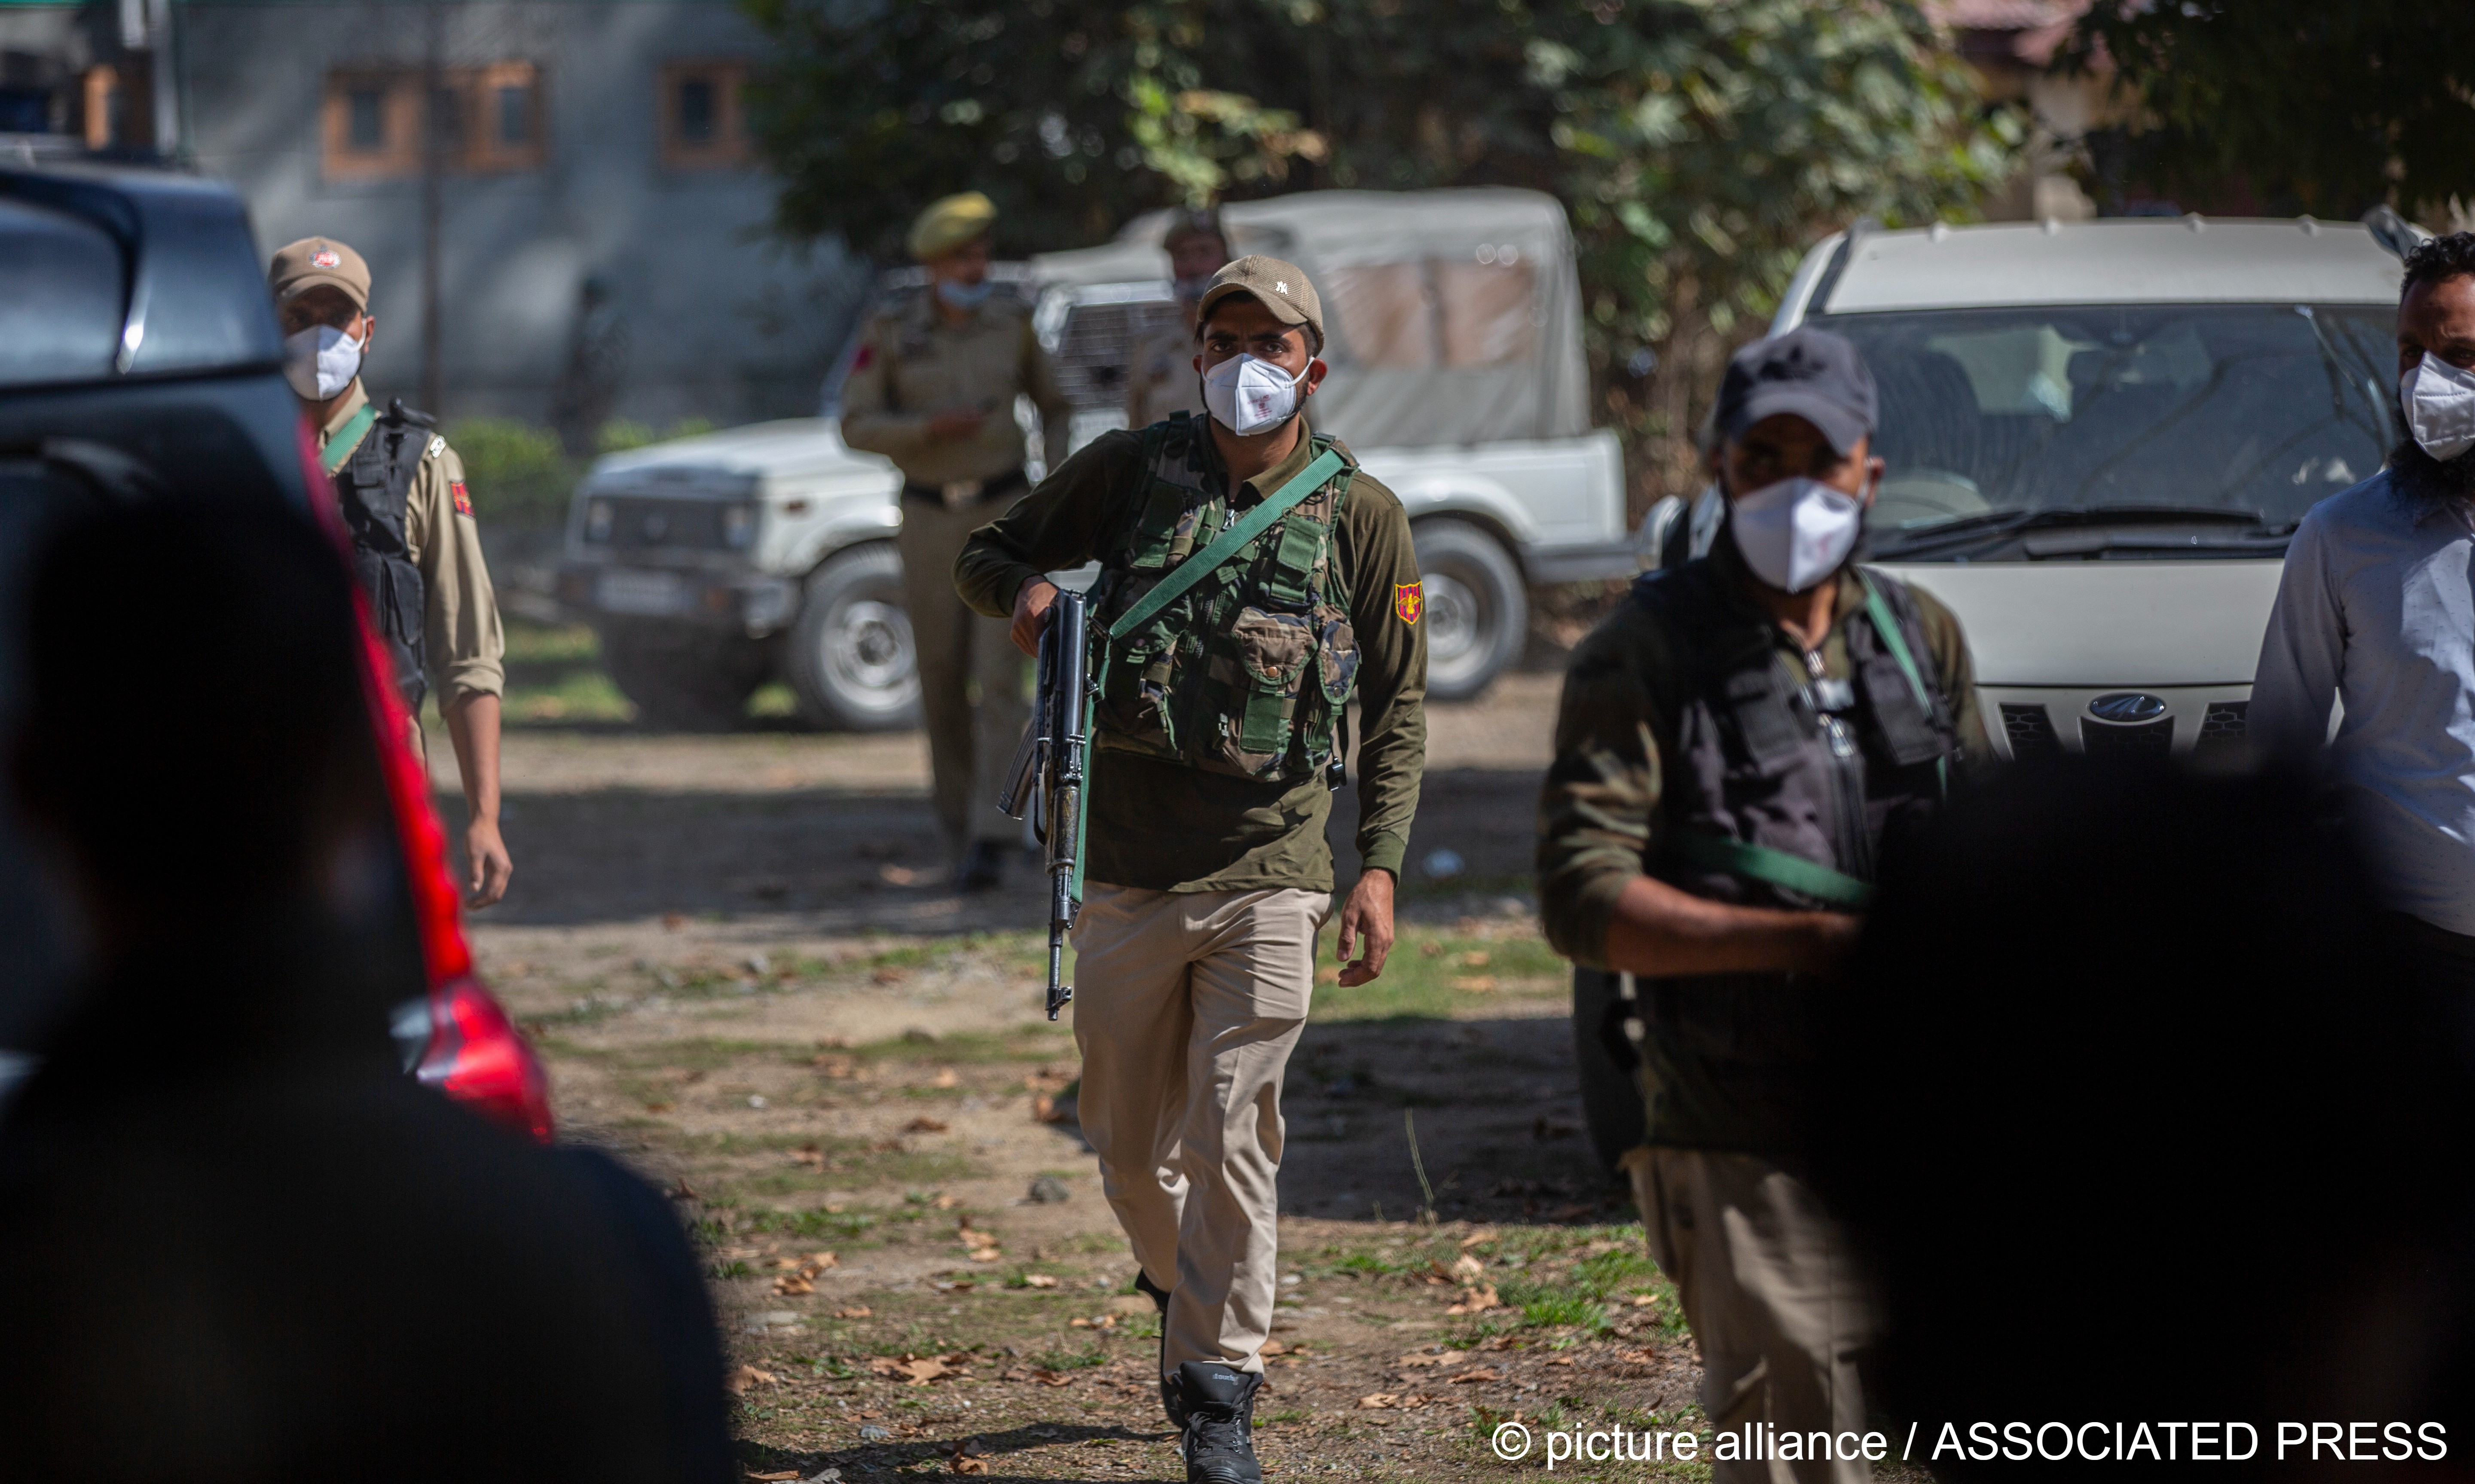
[(140, 361), (2133, 1116)]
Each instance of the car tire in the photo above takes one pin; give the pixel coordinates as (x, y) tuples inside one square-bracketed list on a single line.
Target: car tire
[(850, 658), (1611, 1104), (684, 679), (1477, 608)]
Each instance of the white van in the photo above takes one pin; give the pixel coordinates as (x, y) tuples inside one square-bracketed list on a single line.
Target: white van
[(2100, 437)]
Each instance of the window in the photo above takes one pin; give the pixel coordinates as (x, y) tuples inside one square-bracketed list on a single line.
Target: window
[(491, 121), (704, 115)]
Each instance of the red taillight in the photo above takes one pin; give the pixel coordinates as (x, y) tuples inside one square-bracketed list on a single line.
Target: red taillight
[(476, 1057)]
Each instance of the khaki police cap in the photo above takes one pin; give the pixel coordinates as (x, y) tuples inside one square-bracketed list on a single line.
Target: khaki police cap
[(1282, 287), (314, 261), (950, 223)]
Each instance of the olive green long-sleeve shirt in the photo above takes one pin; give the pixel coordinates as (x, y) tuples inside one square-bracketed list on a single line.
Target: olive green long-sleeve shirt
[(1600, 810), (1163, 826)]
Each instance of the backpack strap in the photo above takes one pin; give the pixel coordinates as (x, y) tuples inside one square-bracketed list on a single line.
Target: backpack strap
[(1893, 639)]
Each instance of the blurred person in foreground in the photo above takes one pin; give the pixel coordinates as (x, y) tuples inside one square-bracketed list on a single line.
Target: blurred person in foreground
[(933, 390), (1736, 743), (2376, 611), (1159, 369), (237, 1242), (416, 546), (2130, 1113)]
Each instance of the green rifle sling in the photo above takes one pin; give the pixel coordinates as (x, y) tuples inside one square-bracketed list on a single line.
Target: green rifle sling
[(339, 449), (1761, 863), (1887, 624)]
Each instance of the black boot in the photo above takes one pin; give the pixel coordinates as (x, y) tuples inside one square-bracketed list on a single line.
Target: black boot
[(983, 866), (1219, 1441), (1170, 1401)]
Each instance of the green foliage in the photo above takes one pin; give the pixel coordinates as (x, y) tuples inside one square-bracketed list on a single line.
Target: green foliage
[(2320, 107), (518, 473), (1700, 145), (618, 437)]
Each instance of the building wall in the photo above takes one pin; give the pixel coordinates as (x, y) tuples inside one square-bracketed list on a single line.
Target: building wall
[(719, 320)]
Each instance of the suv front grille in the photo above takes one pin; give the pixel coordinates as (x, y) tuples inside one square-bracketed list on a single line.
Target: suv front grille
[(638, 523), (2149, 740), (2030, 732), (1099, 340), (2226, 723)]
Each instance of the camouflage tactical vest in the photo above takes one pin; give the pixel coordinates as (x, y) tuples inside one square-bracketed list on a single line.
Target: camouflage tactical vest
[(1247, 671)]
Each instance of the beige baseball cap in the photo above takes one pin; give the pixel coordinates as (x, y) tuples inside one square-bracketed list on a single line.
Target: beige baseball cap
[(312, 261), (950, 223), (1282, 287)]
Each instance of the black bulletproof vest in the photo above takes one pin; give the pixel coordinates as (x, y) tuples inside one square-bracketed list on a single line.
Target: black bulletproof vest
[(374, 488), (1728, 1058)]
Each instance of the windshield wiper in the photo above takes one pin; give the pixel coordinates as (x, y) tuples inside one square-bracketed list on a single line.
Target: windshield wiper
[(1995, 524)]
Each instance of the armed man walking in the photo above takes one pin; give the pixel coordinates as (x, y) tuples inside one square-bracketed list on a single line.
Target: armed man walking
[(933, 390), (1159, 369), (1735, 743), (415, 544), (1252, 578)]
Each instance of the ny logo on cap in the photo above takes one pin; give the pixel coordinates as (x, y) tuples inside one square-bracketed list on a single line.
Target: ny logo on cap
[(1279, 287), (324, 258)]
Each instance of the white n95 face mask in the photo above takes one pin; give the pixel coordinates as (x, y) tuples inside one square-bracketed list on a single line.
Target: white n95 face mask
[(1795, 533), (321, 361), (2438, 401), (1248, 395)]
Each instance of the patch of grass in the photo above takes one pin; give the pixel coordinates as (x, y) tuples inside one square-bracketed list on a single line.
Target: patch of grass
[(1558, 1310), (1060, 1358), (1284, 1415), (1429, 975), (815, 1224)]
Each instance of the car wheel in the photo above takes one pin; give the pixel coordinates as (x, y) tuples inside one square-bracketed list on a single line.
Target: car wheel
[(1477, 609), (1610, 1091), (685, 679), (851, 659)]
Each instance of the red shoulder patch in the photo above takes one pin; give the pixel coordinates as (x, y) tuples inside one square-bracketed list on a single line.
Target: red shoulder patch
[(463, 500), (1409, 601), (866, 356)]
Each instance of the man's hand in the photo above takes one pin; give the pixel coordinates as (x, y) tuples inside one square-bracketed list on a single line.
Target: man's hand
[(486, 866), (954, 426), (1031, 604), (1368, 911)]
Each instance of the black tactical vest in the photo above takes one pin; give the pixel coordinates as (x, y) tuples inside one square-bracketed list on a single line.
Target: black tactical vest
[(375, 489), (1765, 754)]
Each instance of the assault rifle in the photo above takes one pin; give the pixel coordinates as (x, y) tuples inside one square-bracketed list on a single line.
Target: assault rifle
[(1048, 774)]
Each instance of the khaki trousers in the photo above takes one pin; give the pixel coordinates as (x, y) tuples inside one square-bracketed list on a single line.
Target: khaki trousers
[(1772, 1296), (971, 675), (1187, 1005)]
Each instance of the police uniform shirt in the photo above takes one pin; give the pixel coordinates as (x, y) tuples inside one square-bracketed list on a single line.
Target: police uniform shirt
[(1599, 815), (1161, 378), (465, 645), (913, 365)]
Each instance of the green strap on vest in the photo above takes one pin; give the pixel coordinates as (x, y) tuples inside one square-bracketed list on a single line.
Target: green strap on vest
[(1796, 873), (1201, 565), (339, 449), (1887, 624)]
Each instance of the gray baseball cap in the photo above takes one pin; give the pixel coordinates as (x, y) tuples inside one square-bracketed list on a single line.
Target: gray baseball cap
[(1811, 372)]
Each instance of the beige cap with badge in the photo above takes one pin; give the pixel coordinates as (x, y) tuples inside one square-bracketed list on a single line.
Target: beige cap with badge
[(315, 261), (950, 223), (1282, 288)]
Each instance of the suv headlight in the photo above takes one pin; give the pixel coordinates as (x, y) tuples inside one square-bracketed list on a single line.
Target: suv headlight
[(738, 525), (598, 517)]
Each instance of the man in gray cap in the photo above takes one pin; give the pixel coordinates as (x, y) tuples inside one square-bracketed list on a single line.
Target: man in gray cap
[(1733, 745), (1253, 579)]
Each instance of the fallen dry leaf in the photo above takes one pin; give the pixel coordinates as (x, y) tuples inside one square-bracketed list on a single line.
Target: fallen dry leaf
[(749, 1375), (778, 1475), (1329, 974), (1274, 1347), (1477, 1300), (924, 1125), (1447, 1358), (1477, 983), (1481, 1374), (791, 1285), (986, 1254), (1378, 1401), (945, 1078), (1476, 1237), (1053, 1377), (660, 1107), (1039, 1281), (969, 1466), (809, 1156), (1559, 1360), (861, 1312), (947, 1202), (893, 875), (1468, 1269), (683, 1191), (916, 1371), (1475, 959)]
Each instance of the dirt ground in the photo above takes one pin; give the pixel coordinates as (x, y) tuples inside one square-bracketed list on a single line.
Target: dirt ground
[(749, 979)]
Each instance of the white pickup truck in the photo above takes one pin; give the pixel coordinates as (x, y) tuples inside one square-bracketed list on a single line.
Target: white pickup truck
[(1457, 378)]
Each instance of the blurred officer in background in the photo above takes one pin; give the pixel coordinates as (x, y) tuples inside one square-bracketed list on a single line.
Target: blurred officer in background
[(933, 390), (415, 544), (1735, 742), (237, 1241), (1159, 369)]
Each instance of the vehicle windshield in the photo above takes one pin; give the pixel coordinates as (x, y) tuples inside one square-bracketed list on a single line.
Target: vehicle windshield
[(2053, 414)]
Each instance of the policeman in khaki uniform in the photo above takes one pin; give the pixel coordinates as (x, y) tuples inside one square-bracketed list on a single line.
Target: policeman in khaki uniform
[(415, 545), (933, 390), (1734, 744), (1160, 371), (1218, 737)]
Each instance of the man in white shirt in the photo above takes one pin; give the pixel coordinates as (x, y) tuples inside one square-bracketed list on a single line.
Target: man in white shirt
[(2376, 611)]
